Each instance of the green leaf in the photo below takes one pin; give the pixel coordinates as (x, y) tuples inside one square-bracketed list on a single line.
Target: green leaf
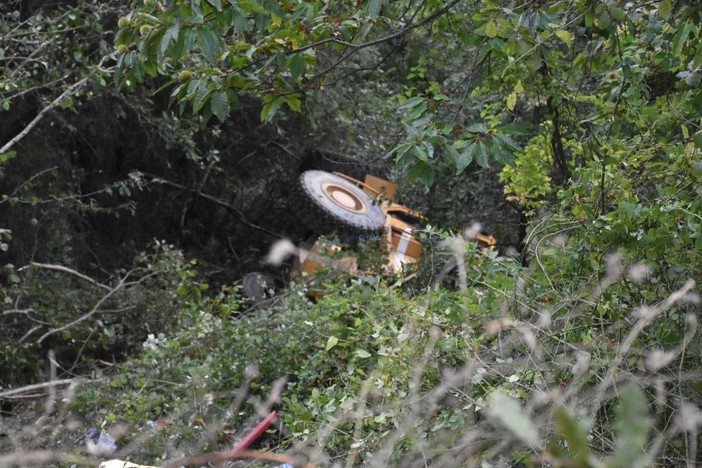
[(481, 156), (209, 43), (296, 63), (171, 34), (477, 128), (500, 153), (665, 9), (491, 29), (362, 353), (508, 141), (201, 98), (220, 105), (217, 4), (412, 102), (565, 36), (293, 102), (632, 425), (271, 104), (239, 20), (466, 157), (250, 6), (575, 434), (331, 342), (508, 412), (680, 39), (422, 171), (374, 8)]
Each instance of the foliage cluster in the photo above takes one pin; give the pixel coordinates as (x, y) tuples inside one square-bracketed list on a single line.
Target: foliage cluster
[(588, 110)]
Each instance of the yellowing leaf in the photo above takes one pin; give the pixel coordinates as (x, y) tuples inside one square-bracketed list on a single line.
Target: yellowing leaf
[(331, 342), (511, 101), (565, 36), (519, 88), (491, 29)]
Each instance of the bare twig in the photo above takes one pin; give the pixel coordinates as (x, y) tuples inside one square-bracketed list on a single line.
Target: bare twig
[(64, 269), (33, 387), (55, 103)]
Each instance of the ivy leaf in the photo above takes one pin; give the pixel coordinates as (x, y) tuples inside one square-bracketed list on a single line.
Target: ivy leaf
[(220, 105)]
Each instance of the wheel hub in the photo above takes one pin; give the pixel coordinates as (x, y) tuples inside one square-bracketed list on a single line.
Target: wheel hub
[(345, 198)]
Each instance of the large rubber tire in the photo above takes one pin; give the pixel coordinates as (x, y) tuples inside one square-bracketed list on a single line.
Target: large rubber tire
[(257, 286), (327, 203), (330, 161)]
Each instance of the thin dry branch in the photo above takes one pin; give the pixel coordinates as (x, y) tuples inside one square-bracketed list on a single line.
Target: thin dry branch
[(61, 268), (70, 91), (33, 387)]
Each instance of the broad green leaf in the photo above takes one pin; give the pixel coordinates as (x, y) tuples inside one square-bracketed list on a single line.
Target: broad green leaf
[(220, 105), (481, 156), (239, 20), (500, 153), (412, 102), (665, 9), (508, 141), (509, 413), (374, 8), (680, 38), (271, 104), (331, 342), (362, 353), (466, 157), (250, 6), (171, 34), (209, 43), (217, 4), (296, 63), (422, 171), (293, 102), (477, 128), (201, 98)]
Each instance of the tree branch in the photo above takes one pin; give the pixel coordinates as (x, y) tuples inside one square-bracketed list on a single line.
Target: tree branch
[(55, 103)]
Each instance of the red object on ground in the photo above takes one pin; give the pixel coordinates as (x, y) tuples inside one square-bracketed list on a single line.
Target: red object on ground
[(257, 431)]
